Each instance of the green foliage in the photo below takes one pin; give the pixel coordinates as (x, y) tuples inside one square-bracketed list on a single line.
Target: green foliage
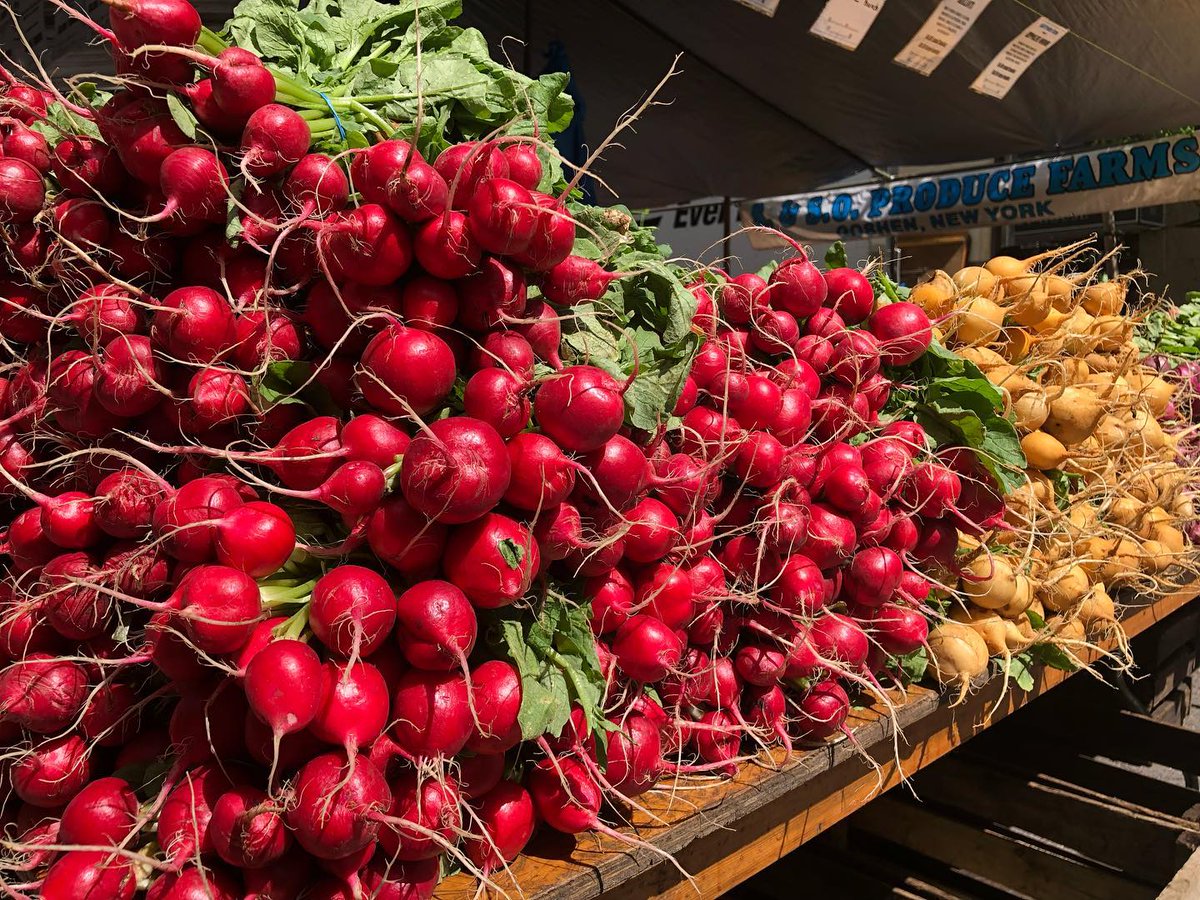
[(1176, 335), (957, 406), (554, 651), (642, 323), (358, 59)]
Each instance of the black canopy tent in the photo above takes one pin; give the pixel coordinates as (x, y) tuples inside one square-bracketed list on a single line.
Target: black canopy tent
[(763, 107)]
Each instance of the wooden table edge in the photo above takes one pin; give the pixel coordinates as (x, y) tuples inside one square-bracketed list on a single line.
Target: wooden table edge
[(764, 813)]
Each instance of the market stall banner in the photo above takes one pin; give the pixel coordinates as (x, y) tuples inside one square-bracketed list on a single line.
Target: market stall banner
[(1166, 170)]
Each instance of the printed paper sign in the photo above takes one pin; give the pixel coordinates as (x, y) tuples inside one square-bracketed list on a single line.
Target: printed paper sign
[(940, 34), (1010, 63), (846, 22), (766, 7)]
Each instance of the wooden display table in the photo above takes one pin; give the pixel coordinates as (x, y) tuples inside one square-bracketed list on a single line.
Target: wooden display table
[(723, 832)]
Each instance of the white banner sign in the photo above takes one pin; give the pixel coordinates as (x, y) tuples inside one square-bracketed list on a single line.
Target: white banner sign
[(1010, 63), (766, 7), (846, 22), (1132, 175), (940, 34)]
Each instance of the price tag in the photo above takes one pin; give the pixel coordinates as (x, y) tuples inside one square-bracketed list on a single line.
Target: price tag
[(766, 7), (940, 34), (1010, 63), (846, 22)]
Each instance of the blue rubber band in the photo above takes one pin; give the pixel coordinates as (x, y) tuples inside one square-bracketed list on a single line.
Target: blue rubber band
[(337, 120)]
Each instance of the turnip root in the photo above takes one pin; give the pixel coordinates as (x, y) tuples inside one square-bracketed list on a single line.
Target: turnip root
[(957, 655)]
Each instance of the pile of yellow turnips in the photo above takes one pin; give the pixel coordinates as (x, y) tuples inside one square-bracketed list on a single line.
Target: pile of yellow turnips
[(1105, 492)]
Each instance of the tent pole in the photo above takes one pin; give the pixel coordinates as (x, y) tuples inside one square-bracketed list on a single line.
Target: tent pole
[(726, 209)]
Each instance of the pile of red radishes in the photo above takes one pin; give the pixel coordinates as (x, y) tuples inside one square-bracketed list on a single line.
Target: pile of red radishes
[(269, 463)]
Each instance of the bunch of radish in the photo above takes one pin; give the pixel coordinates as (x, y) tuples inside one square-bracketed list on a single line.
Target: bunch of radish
[(241, 637)]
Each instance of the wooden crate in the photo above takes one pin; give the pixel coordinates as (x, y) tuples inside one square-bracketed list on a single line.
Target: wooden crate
[(1066, 800)]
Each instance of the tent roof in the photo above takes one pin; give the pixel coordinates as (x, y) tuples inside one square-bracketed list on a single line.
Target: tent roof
[(762, 107)]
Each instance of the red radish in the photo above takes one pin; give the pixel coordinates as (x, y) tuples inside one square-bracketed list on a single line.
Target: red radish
[(417, 192), (424, 819), (104, 812), (86, 874), (903, 332), (467, 165), (761, 406), (23, 102), (104, 312), (84, 166), (492, 559), (559, 532), (506, 819), (428, 303), (845, 486), (620, 470), (634, 757), (241, 84), (128, 376), (456, 470), (759, 460), (431, 713), (850, 294), (353, 707), (316, 185), (109, 716), (497, 396), (195, 882), (369, 438), (436, 626), (542, 477), (665, 591), (741, 297), (42, 693), (247, 828), (196, 186), (500, 214), (24, 191), (553, 236), (189, 520), (405, 538), (759, 665), (653, 531), (337, 807), (580, 407), (506, 350), (873, 576), (565, 794), (219, 607), (496, 688), (822, 710), (194, 323), (646, 648), (51, 773), (275, 138), (392, 880), (708, 433), (405, 371), (931, 490), (256, 538), (75, 611), (491, 295), (839, 638), (798, 287), (446, 248), (281, 684), (285, 879), (368, 244), (81, 221), (799, 587), (353, 610), (139, 22), (774, 332), (182, 829), (575, 280), (371, 168), (478, 774), (524, 165)]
